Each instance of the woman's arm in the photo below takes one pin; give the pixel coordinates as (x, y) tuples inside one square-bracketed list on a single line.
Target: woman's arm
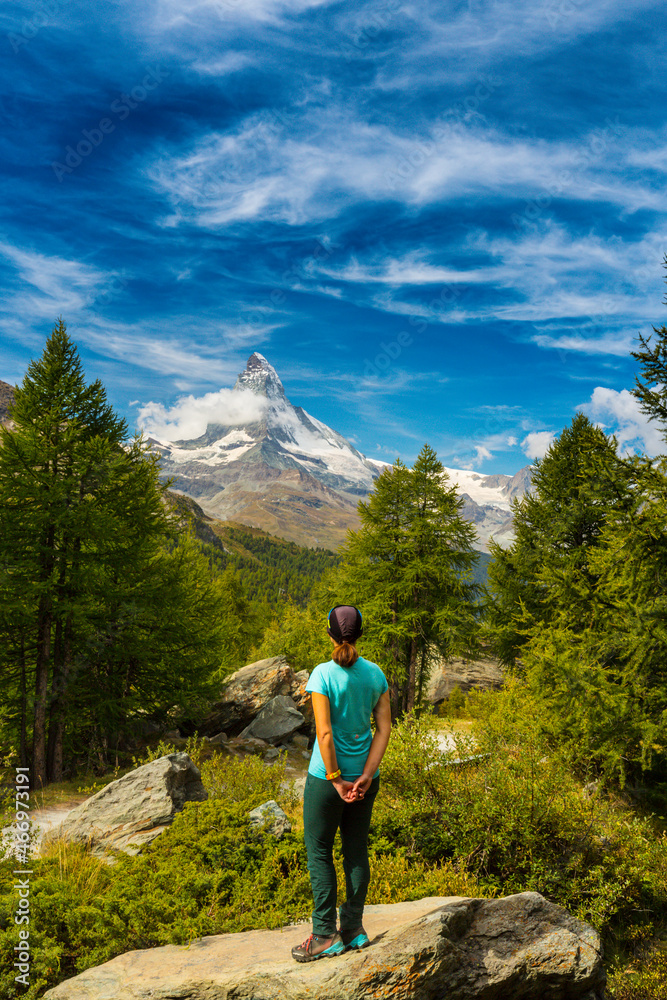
[(325, 741), (382, 716)]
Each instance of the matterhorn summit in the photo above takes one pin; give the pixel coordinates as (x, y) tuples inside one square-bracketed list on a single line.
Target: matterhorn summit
[(260, 377), (283, 470)]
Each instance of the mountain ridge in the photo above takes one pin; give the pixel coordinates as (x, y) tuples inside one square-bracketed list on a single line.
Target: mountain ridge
[(292, 475)]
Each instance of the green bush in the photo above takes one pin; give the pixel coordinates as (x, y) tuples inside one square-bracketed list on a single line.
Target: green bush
[(515, 818), (210, 872), (648, 981), (455, 705)]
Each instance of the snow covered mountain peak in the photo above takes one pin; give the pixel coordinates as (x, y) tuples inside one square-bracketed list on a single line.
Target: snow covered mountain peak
[(260, 377), (282, 469)]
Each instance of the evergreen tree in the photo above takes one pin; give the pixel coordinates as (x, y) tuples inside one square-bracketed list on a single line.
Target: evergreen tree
[(48, 465), (546, 572), (603, 688), (95, 609), (409, 568)]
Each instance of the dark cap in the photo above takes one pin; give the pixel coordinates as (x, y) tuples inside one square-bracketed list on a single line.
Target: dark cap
[(344, 623)]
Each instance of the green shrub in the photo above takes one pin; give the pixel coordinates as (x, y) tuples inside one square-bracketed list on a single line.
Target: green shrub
[(515, 818), (455, 705), (511, 818), (210, 872), (249, 781), (648, 981)]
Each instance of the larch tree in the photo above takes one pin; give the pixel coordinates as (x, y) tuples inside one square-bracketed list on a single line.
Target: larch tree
[(104, 612), (546, 573), (409, 567)]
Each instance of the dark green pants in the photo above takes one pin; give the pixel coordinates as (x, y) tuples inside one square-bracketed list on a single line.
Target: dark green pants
[(323, 813)]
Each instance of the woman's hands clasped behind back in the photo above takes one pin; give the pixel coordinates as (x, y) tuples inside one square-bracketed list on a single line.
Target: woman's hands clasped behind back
[(352, 791)]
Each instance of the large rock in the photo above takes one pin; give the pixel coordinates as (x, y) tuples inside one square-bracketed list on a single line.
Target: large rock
[(277, 721), (246, 692), (270, 812), (518, 948), (136, 808), (483, 674)]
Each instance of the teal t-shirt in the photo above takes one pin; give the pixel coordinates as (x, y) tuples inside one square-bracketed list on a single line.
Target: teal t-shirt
[(353, 693)]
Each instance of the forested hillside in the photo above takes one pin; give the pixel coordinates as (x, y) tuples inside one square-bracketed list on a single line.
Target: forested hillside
[(273, 570)]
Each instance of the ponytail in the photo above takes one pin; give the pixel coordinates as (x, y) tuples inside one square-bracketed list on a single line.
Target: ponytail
[(345, 654)]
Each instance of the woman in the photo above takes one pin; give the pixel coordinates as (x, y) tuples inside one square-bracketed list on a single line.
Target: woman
[(342, 782)]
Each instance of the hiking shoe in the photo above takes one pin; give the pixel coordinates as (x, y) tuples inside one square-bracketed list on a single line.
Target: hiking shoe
[(355, 939), (317, 946)]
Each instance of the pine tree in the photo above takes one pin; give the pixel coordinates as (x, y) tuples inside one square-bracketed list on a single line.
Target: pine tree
[(409, 568), (103, 610), (48, 462), (546, 572)]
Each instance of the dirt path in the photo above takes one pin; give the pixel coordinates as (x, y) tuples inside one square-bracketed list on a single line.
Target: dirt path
[(43, 820)]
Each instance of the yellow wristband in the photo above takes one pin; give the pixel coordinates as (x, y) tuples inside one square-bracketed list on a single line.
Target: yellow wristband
[(334, 774)]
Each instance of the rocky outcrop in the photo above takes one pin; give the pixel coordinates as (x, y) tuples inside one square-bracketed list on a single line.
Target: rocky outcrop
[(277, 721), (6, 402), (246, 692), (483, 674), (136, 808), (517, 948)]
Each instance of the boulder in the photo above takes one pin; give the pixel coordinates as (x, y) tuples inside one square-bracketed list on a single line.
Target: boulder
[(270, 812), (246, 692), (241, 746), (517, 948), (135, 809), (276, 722), (218, 738), (484, 674)]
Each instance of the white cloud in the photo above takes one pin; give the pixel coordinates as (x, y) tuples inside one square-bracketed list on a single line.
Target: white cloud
[(411, 269), (584, 294), (49, 285), (617, 345), (537, 443), (481, 455), (190, 416), (314, 162), (172, 12), (619, 413)]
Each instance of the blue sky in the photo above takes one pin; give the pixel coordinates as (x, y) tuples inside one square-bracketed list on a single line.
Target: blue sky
[(440, 222)]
